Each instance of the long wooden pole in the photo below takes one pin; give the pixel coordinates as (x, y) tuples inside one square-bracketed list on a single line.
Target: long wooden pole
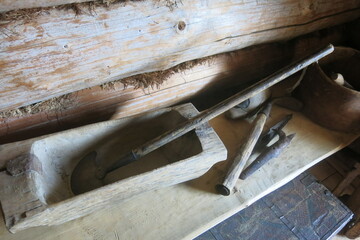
[(216, 110)]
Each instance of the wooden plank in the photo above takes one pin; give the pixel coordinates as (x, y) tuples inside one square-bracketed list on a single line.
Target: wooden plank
[(186, 210), (57, 52), (204, 79)]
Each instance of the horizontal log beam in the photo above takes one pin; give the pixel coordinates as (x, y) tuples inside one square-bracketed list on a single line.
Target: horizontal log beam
[(204, 81), (56, 52)]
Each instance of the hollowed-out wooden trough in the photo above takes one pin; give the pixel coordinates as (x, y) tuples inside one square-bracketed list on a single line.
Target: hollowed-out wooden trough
[(35, 188)]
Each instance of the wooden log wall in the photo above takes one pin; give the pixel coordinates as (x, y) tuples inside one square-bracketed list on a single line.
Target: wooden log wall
[(204, 79), (57, 52)]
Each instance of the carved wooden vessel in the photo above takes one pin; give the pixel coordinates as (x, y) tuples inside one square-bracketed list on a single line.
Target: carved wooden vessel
[(35, 188)]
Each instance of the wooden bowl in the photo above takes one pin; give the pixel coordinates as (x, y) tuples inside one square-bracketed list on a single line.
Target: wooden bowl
[(327, 103)]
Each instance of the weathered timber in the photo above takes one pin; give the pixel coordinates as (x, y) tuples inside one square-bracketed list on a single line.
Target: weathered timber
[(154, 214), (222, 71), (37, 191), (57, 52)]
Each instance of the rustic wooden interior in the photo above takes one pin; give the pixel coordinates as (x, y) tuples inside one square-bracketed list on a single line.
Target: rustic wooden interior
[(65, 64)]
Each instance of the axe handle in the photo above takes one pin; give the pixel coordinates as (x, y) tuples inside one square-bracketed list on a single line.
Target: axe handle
[(244, 152)]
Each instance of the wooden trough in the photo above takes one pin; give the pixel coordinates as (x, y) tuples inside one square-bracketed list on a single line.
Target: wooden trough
[(35, 188)]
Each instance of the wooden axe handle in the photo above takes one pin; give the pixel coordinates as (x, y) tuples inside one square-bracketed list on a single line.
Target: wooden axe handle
[(244, 152)]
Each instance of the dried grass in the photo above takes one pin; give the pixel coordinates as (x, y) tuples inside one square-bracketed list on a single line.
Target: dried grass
[(31, 13), (155, 79), (52, 105), (88, 8)]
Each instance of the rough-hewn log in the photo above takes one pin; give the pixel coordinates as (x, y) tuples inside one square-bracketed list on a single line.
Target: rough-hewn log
[(204, 80), (57, 52)]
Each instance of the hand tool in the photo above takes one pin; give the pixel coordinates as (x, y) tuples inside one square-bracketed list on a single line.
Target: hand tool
[(244, 152), (92, 169), (267, 136), (240, 159), (269, 153)]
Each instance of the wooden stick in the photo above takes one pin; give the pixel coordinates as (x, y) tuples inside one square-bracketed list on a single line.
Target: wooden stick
[(216, 110), (244, 153)]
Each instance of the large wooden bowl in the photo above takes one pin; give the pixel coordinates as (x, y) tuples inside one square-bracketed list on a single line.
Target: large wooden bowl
[(328, 103)]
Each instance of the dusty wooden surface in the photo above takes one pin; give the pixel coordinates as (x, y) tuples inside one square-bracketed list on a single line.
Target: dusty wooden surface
[(57, 52), (223, 71), (185, 210)]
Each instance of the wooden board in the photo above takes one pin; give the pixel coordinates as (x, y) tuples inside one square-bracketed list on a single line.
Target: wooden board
[(206, 78), (56, 52), (188, 209)]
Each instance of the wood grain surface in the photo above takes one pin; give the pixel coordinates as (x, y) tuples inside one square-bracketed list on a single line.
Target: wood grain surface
[(57, 52)]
